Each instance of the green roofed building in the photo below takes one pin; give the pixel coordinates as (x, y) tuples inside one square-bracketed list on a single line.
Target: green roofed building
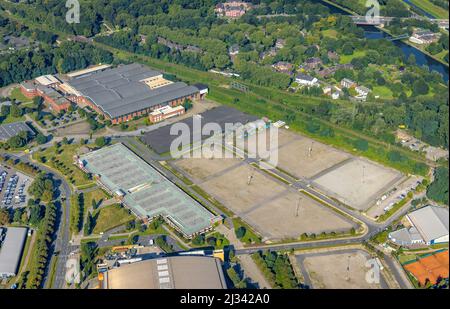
[(145, 191)]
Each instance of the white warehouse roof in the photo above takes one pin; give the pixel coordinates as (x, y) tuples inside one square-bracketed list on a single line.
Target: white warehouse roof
[(11, 251), (47, 80), (431, 222)]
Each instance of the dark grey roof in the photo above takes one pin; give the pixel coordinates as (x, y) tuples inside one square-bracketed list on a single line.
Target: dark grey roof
[(11, 250), (305, 77), (201, 87), (119, 92), (12, 129)]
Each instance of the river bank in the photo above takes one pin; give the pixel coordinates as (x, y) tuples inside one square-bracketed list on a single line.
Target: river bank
[(422, 57)]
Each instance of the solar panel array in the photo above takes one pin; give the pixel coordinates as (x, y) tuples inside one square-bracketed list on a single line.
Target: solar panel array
[(147, 191)]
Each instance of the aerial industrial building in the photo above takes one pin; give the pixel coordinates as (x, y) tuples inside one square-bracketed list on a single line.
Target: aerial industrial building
[(145, 191), (428, 226), (176, 272), (11, 248), (128, 91)]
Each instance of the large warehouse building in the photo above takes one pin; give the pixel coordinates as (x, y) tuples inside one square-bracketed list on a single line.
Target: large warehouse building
[(128, 91), (176, 272), (428, 226), (11, 248), (145, 191)]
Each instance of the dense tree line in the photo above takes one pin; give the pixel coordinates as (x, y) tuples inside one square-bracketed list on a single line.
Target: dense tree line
[(438, 189), (277, 268), (27, 64), (42, 248), (43, 187)]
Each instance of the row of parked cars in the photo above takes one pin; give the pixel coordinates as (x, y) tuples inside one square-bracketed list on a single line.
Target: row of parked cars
[(10, 187)]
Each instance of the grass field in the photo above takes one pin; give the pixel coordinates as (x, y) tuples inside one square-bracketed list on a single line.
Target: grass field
[(98, 195), (110, 217), (18, 96), (383, 91), (10, 119), (61, 159), (348, 58), (330, 33), (430, 8)]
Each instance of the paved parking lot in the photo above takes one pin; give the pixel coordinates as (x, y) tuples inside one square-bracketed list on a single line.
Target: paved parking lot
[(13, 188), (160, 140)]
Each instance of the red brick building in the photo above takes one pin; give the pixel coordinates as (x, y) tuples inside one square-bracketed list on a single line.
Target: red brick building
[(129, 91)]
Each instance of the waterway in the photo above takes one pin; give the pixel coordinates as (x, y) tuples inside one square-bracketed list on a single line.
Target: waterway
[(422, 59), (418, 9)]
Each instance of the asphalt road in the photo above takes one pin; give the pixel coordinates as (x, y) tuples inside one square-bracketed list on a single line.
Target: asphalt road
[(372, 228), (62, 246)]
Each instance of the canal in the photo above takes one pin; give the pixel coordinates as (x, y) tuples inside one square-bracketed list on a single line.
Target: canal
[(422, 59)]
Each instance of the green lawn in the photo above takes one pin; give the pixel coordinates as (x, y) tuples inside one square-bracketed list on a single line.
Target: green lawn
[(348, 58), (18, 96), (98, 195), (330, 33), (429, 7), (250, 237), (62, 160), (10, 119), (383, 91), (110, 217)]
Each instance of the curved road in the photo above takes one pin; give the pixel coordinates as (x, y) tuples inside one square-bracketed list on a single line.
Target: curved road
[(62, 247)]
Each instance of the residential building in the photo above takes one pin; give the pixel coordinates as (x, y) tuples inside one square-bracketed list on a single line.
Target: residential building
[(362, 91), (312, 63), (332, 55), (232, 8), (424, 37), (325, 72), (303, 79), (280, 43), (348, 83), (283, 67)]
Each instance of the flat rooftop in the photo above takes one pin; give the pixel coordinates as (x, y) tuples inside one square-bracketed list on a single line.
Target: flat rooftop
[(12, 129), (122, 90), (177, 272), (431, 221), (160, 139), (11, 250), (147, 192)]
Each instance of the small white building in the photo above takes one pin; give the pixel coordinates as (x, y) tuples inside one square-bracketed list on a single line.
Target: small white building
[(362, 91), (303, 79), (335, 95), (348, 83)]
